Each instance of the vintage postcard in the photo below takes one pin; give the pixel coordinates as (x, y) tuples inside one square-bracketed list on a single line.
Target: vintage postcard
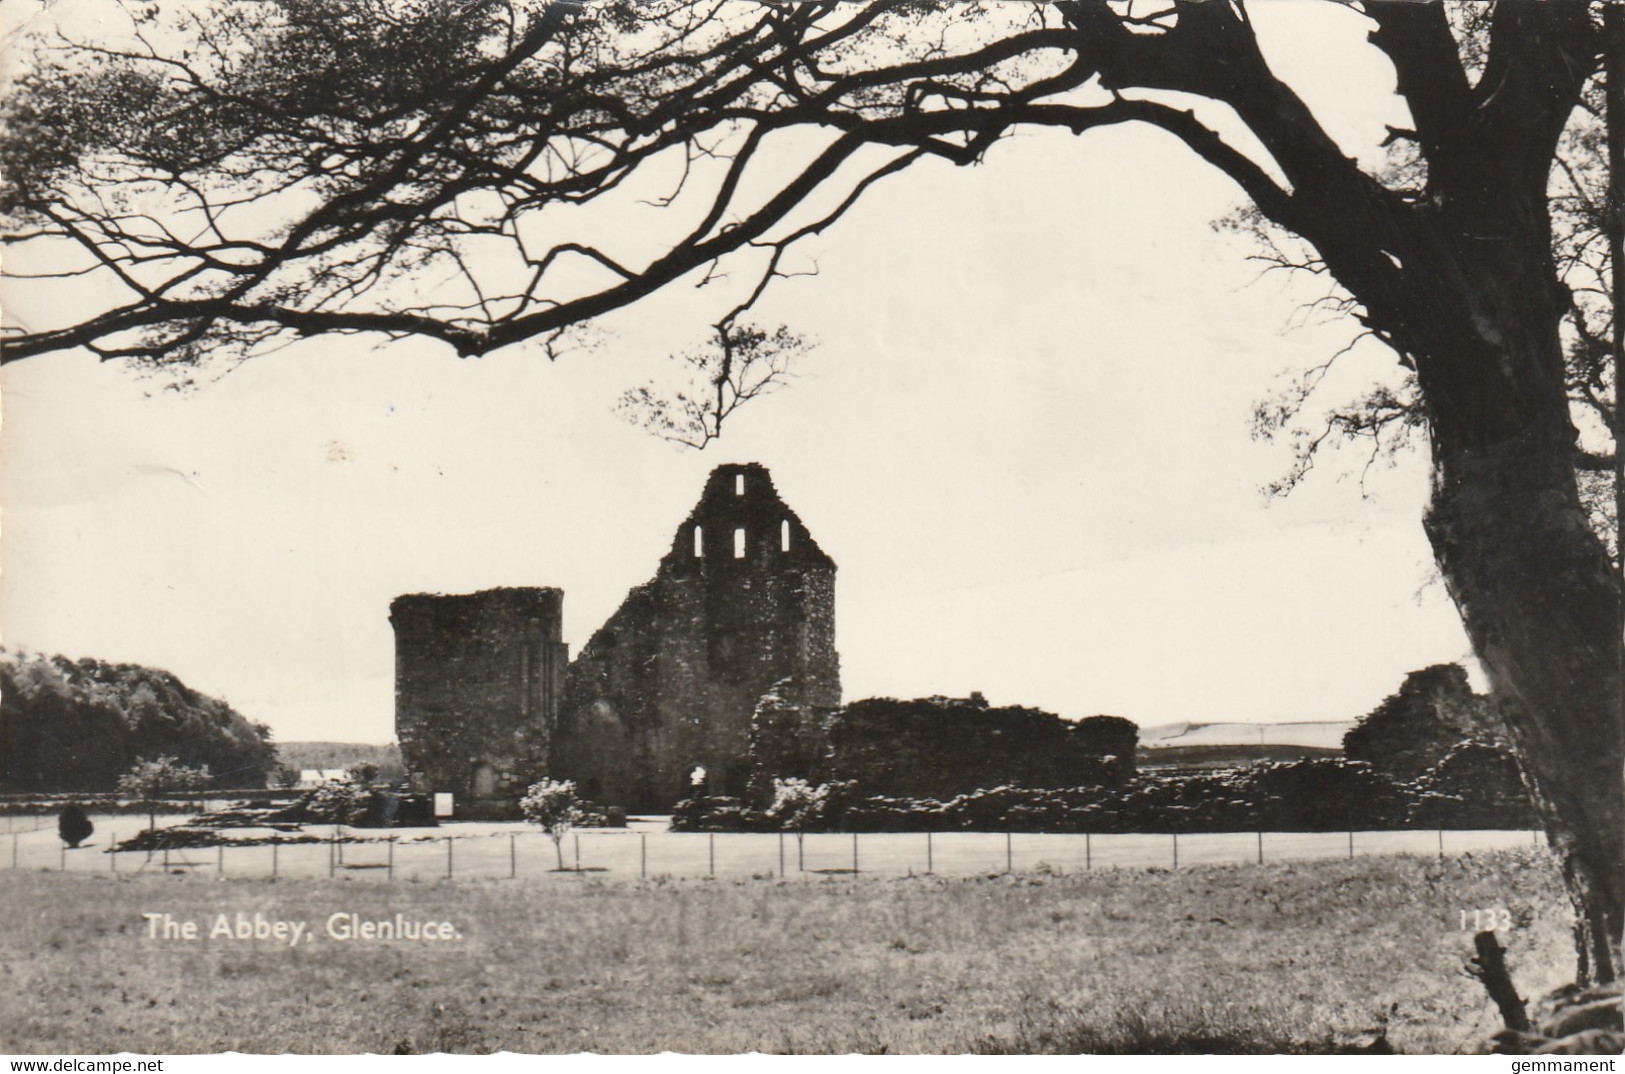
[(721, 527)]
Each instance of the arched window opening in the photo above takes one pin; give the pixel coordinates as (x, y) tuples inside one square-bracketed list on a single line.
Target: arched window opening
[(739, 543), (699, 542), (784, 536), (739, 484)]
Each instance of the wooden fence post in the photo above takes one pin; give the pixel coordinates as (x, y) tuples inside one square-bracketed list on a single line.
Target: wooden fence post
[(854, 853), (112, 851), (513, 856), (1261, 846), (1088, 851), (1008, 857), (1176, 849), (643, 855), (711, 853), (1490, 967), (220, 858), (276, 841), (781, 855), (389, 864), (930, 866)]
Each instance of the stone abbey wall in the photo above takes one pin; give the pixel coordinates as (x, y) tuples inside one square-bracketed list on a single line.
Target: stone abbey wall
[(743, 599), (486, 702), (478, 681)]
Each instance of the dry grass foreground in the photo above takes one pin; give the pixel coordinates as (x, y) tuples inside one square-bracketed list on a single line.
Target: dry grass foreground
[(1282, 957)]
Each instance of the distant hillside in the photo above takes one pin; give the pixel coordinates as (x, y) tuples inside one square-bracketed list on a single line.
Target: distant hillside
[(326, 755), (76, 725), (1229, 745), (1318, 734)]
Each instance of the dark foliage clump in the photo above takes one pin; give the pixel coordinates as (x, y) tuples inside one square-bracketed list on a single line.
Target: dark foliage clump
[(76, 726), (1413, 729), (73, 825)]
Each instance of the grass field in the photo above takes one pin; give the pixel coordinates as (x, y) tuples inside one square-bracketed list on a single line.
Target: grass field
[(1279, 957)]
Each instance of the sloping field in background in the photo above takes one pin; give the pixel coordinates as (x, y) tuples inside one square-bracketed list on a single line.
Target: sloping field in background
[(1317, 734)]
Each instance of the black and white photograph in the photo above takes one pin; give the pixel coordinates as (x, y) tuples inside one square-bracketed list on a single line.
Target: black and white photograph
[(812, 527)]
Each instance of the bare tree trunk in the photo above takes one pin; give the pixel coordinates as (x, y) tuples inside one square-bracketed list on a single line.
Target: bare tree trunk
[(1540, 602)]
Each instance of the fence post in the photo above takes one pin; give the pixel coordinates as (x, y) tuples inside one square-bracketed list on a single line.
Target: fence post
[(220, 858), (1441, 842), (166, 859), (711, 853), (801, 852), (854, 853), (332, 845), (781, 855), (513, 856), (448, 857), (112, 851), (1008, 857), (1176, 849), (930, 866), (1261, 846), (390, 866), (1088, 851), (643, 855), (576, 844), (276, 841), (62, 859), (1351, 846)]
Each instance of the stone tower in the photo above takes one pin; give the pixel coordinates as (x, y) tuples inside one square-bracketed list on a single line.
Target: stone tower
[(478, 681), (745, 598)]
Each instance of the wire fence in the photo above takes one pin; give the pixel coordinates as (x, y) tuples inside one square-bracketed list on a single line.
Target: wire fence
[(494, 851)]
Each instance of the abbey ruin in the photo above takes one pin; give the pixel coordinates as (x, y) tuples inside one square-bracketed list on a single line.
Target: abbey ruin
[(487, 699)]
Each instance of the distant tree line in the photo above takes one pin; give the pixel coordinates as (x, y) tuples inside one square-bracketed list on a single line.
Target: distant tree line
[(326, 756), (79, 725)]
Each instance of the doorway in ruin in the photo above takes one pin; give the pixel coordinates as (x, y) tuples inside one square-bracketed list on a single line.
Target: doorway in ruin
[(483, 782)]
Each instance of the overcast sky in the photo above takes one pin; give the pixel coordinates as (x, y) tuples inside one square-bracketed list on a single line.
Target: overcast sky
[(1023, 437)]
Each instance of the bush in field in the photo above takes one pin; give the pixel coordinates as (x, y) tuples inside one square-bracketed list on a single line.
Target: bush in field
[(363, 772), (553, 806), (796, 802), (1476, 786), (73, 826), (345, 800), (149, 781), (1326, 795)]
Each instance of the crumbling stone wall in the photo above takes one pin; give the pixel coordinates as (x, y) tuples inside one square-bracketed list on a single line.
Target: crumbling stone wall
[(940, 747), (745, 598), (478, 682)]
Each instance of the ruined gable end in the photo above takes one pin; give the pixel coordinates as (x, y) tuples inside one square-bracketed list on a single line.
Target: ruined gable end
[(743, 599)]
